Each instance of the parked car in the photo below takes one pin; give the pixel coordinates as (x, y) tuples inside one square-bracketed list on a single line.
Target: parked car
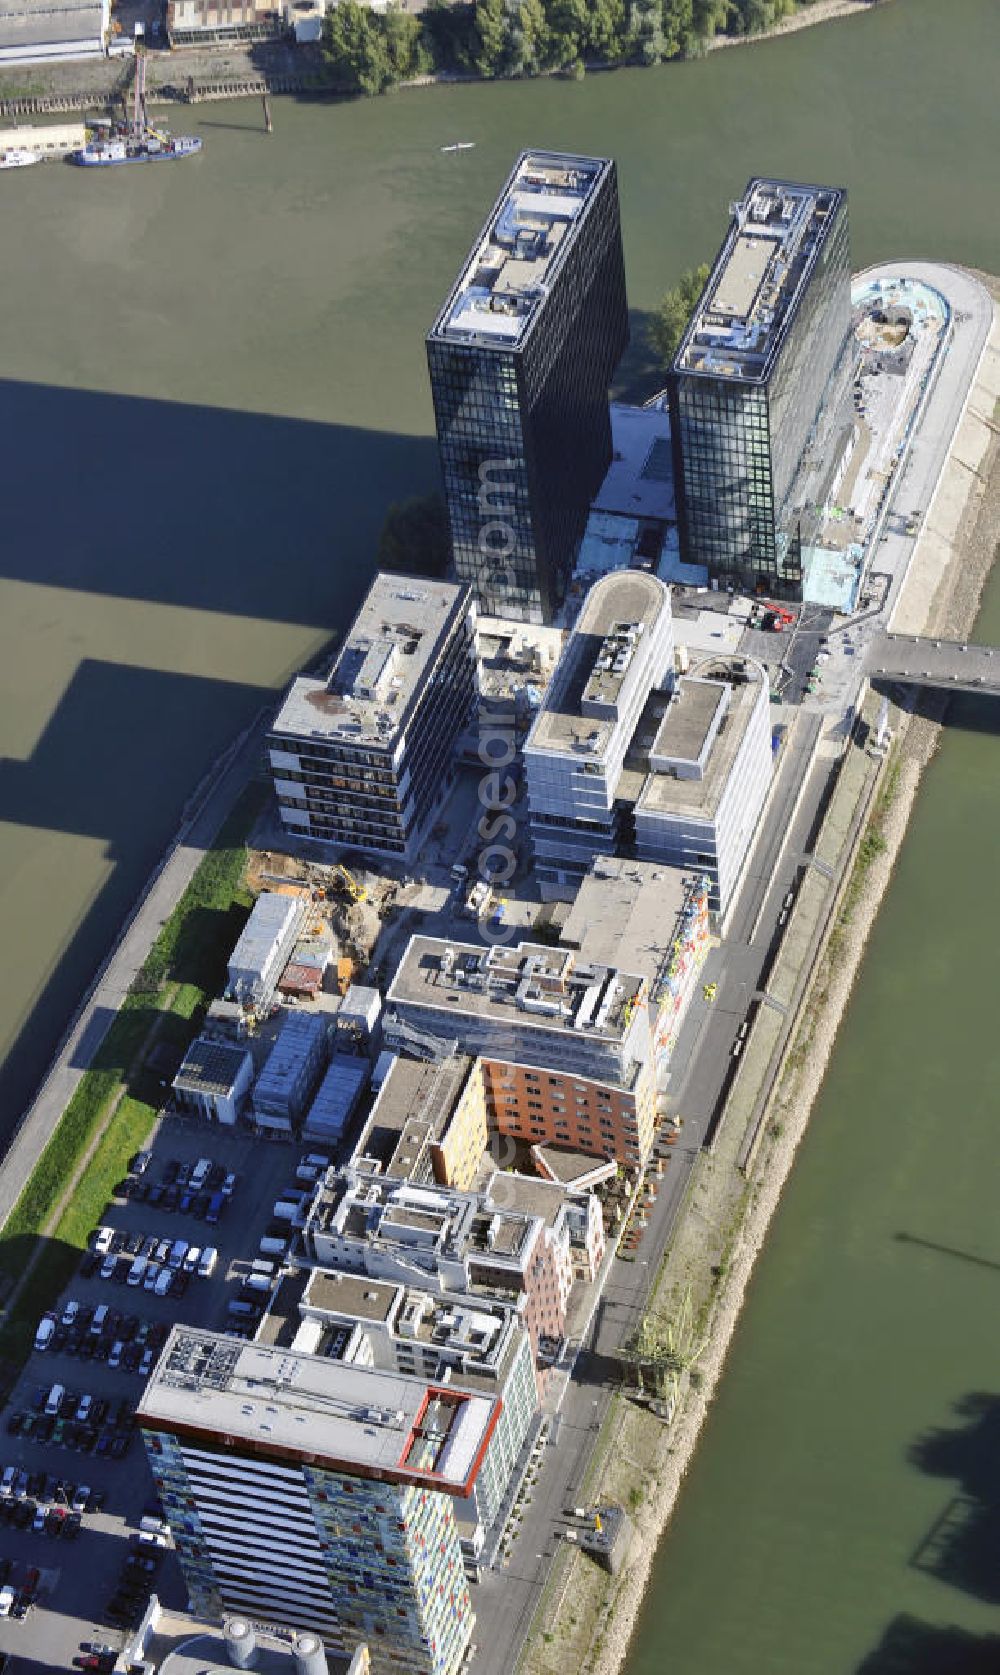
[(207, 1261), (45, 1332)]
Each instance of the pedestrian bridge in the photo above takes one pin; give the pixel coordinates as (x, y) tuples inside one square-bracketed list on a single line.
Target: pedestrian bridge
[(950, 665)]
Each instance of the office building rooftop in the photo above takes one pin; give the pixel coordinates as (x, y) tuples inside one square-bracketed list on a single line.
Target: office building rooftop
[(527, 983), (777, 232), (381, 667), (520, 250), (414, 1105), (579, 710), (346, 1419), (626, 913), (733, 683)]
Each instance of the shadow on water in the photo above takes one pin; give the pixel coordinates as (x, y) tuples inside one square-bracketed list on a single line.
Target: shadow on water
[(962, 1544), (910, 1647), (246, 513), (641, 374), (947, 1250)]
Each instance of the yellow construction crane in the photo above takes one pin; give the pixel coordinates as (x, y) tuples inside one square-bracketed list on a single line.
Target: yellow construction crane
[(356, 891)]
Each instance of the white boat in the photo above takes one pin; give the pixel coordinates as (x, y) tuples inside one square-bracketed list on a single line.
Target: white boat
[(460, 145), (18, 157)]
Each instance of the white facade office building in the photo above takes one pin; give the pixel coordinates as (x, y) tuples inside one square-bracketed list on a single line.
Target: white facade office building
[(361, 760), (621, 649)]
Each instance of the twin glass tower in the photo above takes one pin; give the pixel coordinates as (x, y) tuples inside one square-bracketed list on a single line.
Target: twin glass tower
[(522, 356)]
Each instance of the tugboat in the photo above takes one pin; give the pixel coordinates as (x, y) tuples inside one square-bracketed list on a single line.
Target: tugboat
[(135, 142), (18, 157)]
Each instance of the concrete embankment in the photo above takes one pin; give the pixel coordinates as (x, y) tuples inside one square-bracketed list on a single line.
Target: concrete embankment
[(584, 1617)]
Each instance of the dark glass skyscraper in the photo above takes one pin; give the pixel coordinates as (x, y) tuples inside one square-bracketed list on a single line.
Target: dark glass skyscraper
[(760, 388), (521, 358)]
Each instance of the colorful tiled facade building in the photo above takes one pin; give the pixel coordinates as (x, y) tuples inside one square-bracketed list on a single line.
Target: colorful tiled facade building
[(301, 1491)]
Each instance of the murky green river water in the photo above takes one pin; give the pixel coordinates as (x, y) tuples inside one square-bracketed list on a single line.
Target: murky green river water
[(211, 383)]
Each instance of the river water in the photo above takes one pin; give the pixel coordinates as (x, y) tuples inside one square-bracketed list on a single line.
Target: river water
[(211, 383)]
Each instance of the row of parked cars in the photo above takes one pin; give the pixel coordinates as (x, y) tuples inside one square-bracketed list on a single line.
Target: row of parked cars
[(143, 1259), (63, 1418), (128, 1602), (202, 1189), (102, 1334)]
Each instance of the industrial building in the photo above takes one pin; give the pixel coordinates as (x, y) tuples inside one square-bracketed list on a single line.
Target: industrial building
[(292, 1071), (337, 1098), (40, 31), (362, 759), (302, 1491), (214, 1080), (521, 358), (621, 649), (264, 948), (191, 22), (760, 388), (706, 761)]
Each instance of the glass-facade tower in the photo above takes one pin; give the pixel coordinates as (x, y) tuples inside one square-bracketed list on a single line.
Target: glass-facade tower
[(760, 388), (521, 358)]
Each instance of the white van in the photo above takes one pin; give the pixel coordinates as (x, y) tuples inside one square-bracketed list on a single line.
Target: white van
[(257, 1282), (102, 1240), (206, 1262), (198, 1174), (56, 1395), (43, 1336), (137, 1272), (100, 1316), (272, 1247)]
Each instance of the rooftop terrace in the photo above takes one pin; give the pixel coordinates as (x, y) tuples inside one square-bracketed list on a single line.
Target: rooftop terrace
[(351, 1419), (391, 648), (760, 275), (517, 255)]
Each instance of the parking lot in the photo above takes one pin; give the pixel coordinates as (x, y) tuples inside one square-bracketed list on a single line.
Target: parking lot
[(81, 1568)]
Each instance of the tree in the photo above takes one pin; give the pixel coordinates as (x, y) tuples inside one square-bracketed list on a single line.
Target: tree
[(670, 320), (492, 34), (606, 30), (401, 32), (415, 538), (569, 23), (529, 38), (355, 48), (646, 38), (678, 26)]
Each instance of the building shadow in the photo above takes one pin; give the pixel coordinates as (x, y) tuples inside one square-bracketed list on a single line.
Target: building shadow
[(910, 1647), (116, 762), (249, 514), (962, 1545), (245, 514)]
